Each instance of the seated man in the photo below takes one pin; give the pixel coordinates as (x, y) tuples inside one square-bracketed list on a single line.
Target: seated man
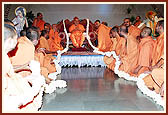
[(54, 40), (15, 88), (104, 41), (110, 61), (132, 30), (155, 80), (121, 44), (159, 45), (24, 53), (146, 46), (76, 31), (129, 61), (44, 41), (46, 60), (39, 22)]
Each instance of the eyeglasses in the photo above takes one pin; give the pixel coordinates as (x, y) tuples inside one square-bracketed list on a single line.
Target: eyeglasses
[(126, 22)]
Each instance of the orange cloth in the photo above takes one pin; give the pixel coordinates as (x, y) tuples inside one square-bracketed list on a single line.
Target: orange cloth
[(110, 61), (77, 36), (129, 61), (54, 41), (104, 41), (46, 64), (146, 46), (158, 49), (24, 53), (137, 23), (155, 79), (44, 43), (121, 47), (134, 31), (13, 83), (114, 41), (39, 24)]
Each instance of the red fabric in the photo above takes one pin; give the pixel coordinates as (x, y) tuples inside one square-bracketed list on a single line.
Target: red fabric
[(79, 49)]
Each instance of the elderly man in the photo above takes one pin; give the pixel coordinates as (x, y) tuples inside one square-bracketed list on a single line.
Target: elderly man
[(76, 31)]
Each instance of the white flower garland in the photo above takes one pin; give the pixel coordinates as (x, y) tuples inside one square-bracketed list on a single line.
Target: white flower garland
[(140, 83), (50, 88), (152, 94)]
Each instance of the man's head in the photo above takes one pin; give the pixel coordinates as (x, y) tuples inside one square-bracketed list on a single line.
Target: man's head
[(45, 34), (76, 20), (23, 33), (123, 31), (160, 27), (105, 23), (10, 37), (97, 24), (39, 16), (138, 18), (127, 22), (146, 32), (114, 31), (47, 26), (33, 35)]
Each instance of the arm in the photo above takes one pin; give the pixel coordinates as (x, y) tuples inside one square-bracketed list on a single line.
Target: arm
[(158, 64), (137, 69), (21, 67)]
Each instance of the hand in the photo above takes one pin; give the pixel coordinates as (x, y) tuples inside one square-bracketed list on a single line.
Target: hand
[(41, 50)]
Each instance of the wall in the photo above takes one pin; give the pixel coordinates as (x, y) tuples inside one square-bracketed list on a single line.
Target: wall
[(111, 13)]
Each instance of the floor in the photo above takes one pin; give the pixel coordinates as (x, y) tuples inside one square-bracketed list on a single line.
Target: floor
[(96, 89)]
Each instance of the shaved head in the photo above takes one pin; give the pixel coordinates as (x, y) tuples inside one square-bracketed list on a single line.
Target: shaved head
[(146, 32), (10, 37), (123, 31), (114, 31), (33, 35)]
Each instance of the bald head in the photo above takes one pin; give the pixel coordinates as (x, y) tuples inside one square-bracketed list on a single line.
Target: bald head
[(123, 31), (10, 37), (114, 31), (146, 32), (33, 35)]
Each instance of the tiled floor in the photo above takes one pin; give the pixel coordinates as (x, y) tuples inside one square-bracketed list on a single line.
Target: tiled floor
[(97, 89)]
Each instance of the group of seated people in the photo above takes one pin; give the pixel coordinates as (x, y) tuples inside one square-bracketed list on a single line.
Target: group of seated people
[(139, 53), (137, 50)]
